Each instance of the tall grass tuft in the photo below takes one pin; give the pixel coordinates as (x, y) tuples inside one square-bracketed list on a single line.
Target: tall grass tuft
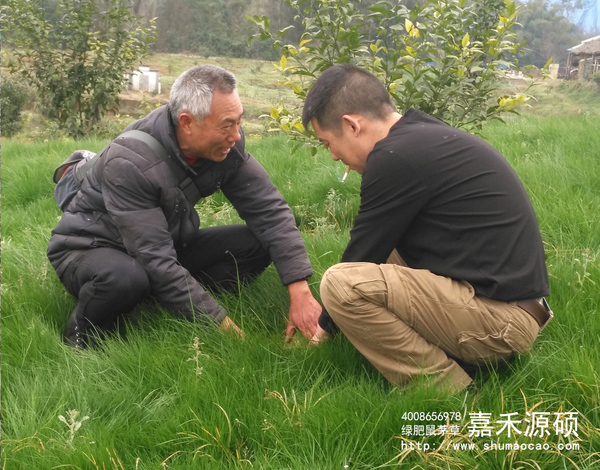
[(178, 395)]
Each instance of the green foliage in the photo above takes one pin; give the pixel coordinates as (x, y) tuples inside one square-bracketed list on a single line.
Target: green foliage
[(596, 78), (210, 27), (78, 63), (13, 97), (548, 33), (444, 57)]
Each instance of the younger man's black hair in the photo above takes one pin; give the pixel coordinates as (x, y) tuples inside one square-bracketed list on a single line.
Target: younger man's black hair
[(345, 89)]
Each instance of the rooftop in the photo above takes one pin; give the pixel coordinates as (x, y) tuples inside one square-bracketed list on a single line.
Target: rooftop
[(589, 46)]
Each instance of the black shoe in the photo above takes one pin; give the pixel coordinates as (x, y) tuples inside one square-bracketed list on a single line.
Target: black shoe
[(75, 333)]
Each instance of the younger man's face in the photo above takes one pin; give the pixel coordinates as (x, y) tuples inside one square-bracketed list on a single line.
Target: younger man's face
[(343, 146)]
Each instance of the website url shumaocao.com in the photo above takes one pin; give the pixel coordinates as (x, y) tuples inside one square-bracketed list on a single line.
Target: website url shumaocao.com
[(488, 446), (503, 432)]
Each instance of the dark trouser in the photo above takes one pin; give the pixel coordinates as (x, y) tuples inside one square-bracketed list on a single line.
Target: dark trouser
[(109, 283)]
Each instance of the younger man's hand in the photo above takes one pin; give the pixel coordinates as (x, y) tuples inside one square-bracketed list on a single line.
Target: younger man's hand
[(320, 336)]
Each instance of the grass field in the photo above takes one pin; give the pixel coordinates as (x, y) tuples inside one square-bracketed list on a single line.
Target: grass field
[(176, 395), (179, 396)]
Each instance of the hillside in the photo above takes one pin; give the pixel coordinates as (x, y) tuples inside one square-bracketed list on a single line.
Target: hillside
[(260, 88), (258, 84)]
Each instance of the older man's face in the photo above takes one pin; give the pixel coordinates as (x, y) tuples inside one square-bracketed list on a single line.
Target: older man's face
[(213, 137)]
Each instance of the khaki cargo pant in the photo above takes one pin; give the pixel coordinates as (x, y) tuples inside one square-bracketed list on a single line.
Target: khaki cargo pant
[(409, 322)]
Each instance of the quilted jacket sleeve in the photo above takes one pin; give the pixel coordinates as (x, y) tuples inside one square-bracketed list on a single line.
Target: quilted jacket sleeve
[(266, 212)]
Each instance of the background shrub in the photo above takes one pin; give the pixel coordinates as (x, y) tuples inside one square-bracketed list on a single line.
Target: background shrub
[(445, 57), (13, 95)]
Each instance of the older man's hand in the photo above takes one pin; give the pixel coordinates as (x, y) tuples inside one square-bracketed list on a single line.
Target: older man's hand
[(304, 311), (228, 325)]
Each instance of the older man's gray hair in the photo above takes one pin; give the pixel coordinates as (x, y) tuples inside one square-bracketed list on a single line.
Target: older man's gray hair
[(193, 90)]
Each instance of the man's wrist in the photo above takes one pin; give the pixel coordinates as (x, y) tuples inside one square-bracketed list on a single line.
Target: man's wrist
[(299, 289), (327, 323)]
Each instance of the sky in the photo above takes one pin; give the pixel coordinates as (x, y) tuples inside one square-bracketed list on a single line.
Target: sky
[(591, 20)]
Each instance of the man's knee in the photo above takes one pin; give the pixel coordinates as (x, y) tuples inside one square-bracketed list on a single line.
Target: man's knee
[(263, 261), (348, 283), (332, 286), (128, 280), (330, 295)]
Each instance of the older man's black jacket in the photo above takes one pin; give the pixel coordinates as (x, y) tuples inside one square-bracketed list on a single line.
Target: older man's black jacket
[(130, 200)]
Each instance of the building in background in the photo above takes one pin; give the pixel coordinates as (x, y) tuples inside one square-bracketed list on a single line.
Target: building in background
[(144, 79), (584, 59)]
